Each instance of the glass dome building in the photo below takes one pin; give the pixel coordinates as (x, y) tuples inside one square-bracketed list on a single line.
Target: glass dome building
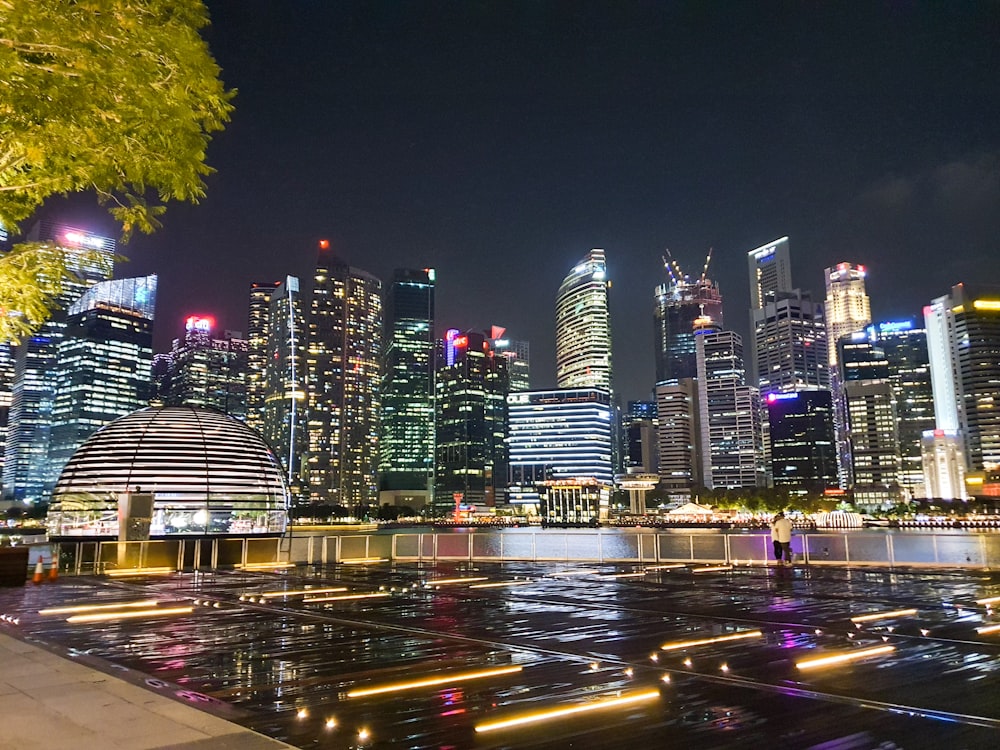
[(208, 474)]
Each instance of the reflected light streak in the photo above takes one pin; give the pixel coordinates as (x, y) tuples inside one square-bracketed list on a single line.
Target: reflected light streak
[(432, 681), (568, 573), (123, 572), (105, 616), (883, 615), (672, 566), (265, 566), (988, 629), (446, 581), (556, 713), (988, 600), (827, 661), (305, 592), (717, 639), (712, 569), (363, 560), (345, 597), (95, 607), (624, 575)]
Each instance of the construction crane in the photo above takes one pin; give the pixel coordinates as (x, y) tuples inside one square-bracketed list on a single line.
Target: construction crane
[(704, 271)]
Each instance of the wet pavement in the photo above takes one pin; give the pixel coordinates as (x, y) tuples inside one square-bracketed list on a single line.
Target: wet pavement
[(529, 655)]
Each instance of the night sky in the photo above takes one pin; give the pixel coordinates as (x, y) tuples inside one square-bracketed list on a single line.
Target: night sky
[(499, 141)]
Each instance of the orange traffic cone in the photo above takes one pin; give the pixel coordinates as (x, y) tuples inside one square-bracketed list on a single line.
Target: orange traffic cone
[(54, 570), (37, 578)]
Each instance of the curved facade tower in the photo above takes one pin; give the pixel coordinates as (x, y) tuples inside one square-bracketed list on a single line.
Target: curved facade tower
[(583, 326)]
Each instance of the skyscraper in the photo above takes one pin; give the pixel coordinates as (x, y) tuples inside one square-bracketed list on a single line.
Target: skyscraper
[(680, 306), (790, 344), (803, 453), (102, 368), (29, 419), (583, 326), (560, 444), (641, 449), (847, 310), (678, 435), (406, 459), (284, 424), (770, 271), (964, 343), (904, 344), (730, 414), (518, 356), (205, 370), (258, 326), (471, 425), (343, 370)]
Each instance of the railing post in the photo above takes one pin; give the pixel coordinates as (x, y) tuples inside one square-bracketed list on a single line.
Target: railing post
[(889, 551), (725, 546)]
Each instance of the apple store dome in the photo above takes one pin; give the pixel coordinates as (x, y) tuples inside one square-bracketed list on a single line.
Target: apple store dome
[(207, 473)]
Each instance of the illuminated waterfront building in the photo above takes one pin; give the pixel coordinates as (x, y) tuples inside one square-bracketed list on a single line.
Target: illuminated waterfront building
[(25, 467), (790, 344), (904, 345), (102, 367), (678, 435), (680, 307), (208, 371), (258, 326), (963, 333), (471, 425), (729, 414), (847, 310), (406, 446), (343, 370), (803, 454), (284, 423), (583, 326), (871, 427), (559, 435)]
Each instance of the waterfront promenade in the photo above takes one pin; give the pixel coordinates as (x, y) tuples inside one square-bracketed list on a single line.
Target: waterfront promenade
[(534, 655)]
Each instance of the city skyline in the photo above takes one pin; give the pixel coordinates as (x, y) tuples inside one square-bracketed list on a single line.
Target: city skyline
[(498, 146)]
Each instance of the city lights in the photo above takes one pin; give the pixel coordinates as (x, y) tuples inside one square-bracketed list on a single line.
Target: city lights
[(106, 616), (883, 615), (96, 607)]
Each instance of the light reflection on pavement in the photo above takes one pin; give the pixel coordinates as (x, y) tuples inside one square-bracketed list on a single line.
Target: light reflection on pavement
[(284, 666)]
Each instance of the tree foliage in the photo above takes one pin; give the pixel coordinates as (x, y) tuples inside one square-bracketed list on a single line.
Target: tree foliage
[(118, 97)]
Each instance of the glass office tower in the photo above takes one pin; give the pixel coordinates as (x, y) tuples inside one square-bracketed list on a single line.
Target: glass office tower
[(583, 326)]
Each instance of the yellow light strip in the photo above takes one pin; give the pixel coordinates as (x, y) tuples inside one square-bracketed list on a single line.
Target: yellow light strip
[(266, 566), (304, 592), (988, 629), (986, 304), (95, 607), (624, 575), (567, 573), (363, 560), (826, 661), (499, 584), (124, 572), (555, 713), (446, 581), (712, 569), (344, 598), (717, 639), (884, 615), (432, 681), (105, 616), (672, 566), (988, 600)]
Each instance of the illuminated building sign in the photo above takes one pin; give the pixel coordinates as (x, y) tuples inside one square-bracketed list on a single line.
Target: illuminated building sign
[(196, 323), (986, 304), (895, 325), (449, 345), (80, 239), (772, 397)]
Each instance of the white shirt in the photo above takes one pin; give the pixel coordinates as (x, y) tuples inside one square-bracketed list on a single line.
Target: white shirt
[(781, 530)]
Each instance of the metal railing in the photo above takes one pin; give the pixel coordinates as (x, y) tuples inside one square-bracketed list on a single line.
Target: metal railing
[(963, 549)]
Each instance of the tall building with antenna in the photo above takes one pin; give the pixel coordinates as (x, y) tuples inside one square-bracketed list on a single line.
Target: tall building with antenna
[(680, 306)]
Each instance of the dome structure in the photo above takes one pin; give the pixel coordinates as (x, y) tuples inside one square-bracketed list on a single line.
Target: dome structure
[(207, 472)]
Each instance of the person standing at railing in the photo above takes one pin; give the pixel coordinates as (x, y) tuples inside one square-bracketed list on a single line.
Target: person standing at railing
[(781, 538)]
